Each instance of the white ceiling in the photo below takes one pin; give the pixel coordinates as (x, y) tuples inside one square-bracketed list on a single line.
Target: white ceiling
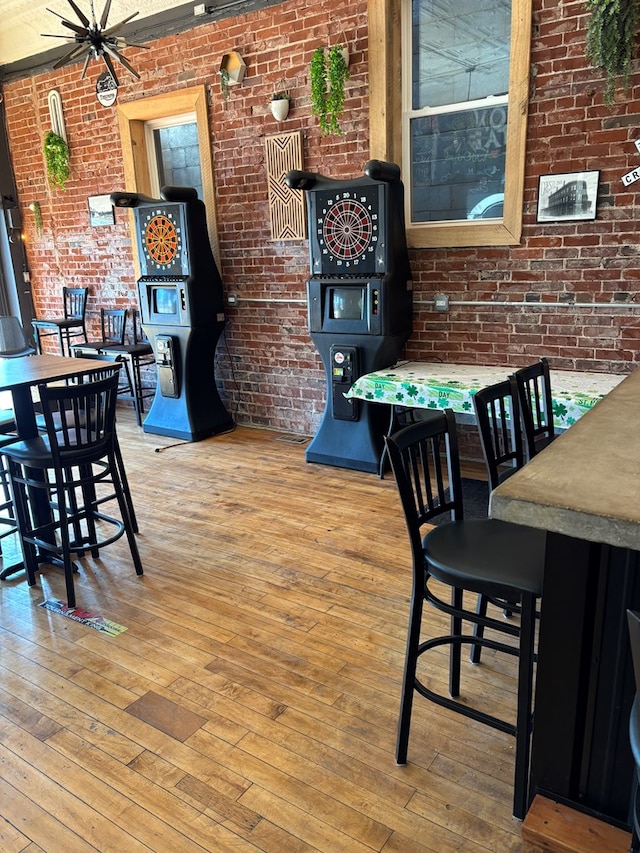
[(23, 21)]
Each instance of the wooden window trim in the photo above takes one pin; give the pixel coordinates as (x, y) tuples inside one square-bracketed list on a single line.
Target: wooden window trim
[(385, 125)]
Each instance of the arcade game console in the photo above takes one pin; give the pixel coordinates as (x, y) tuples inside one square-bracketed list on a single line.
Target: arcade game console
[(360, 301), (182, 309)]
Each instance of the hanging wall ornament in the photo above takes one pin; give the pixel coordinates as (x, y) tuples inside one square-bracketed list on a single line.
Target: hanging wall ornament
[(106, 89), (93, 38)]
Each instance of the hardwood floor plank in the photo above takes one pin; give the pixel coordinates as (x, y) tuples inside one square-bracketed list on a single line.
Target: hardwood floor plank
[(187, 827), (65, 808), (20, 810), (273, 610)]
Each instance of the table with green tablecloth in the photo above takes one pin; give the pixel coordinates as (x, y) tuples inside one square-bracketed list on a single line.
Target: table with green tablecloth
[(434, 385)]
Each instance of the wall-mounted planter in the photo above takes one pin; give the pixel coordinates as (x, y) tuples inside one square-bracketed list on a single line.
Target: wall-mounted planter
[(234, 66), (280, 109)]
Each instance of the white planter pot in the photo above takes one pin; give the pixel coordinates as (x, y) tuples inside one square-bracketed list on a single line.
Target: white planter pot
[(280, 109)]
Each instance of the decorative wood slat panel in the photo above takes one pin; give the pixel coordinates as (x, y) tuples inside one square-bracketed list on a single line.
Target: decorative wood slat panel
[(286, 206)]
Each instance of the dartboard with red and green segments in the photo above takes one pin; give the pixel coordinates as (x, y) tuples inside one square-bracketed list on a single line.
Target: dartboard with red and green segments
[(347, 230), (162, 241)]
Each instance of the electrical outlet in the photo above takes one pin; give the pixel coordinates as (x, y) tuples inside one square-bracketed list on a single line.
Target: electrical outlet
[(232, 299)]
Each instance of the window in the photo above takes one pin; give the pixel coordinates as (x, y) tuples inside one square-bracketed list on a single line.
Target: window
[(173, 149), (461, 106)]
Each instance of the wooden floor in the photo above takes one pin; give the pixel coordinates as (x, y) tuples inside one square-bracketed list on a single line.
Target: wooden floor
[(251, 703)]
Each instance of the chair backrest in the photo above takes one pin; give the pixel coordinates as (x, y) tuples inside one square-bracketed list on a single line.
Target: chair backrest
[(13, 341), (139, 336), (75, 302), (80, 419), (113, 322), (536, 405), (498, 417), (426, 465)]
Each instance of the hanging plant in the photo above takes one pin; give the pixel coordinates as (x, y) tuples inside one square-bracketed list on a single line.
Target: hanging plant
[(35, 208), (328, 73), (611, 40), (56, 153), (337, 75), (224, 85), (318, 79)]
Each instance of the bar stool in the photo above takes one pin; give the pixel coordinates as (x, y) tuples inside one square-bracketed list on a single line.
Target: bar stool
[(76, 464), (112, 327), (536, 405), (72, 325), (135, 355), (483, 557), (633, 623)]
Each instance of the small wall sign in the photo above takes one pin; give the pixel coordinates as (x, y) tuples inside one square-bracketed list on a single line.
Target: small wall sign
[(106, 89), (101, 210)]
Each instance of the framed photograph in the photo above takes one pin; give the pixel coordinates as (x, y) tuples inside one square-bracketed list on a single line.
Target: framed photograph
[(101, 210), (567, 197)]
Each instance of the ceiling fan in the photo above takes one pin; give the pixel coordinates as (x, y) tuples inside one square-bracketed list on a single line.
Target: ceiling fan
[(94, 39)]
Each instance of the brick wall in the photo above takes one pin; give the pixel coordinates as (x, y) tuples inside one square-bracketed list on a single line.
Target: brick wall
[(534, 298)]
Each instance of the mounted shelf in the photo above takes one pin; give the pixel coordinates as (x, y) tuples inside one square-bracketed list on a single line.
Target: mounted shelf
[(235, 67)]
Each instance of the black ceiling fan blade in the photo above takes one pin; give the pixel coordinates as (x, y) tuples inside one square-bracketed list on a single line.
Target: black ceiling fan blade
[(81, 31), (57, 14), (121, 24), (122, 60), (110, 68), (121, 43), (56, 36), (105, 14), (69, 57), (86, 64), (80, 13)]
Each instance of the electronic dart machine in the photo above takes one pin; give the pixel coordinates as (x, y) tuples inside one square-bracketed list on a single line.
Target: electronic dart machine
[(359, 299), (181, 304)]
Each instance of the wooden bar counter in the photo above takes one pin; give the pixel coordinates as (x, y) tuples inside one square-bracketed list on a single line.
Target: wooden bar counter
[(585, 490)]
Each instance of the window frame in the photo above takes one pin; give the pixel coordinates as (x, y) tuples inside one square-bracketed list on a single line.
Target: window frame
[(386, 125)]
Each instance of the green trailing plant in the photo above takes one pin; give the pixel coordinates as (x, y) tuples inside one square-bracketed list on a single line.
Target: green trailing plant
[(337, 75), (56, 153), (328, 73), (318, 80), (224, 85), (35, 208), (611, 40)]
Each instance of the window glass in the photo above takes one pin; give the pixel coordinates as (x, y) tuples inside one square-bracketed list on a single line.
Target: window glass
[(175, 151), (460, 50), (458, 163), (456, 126)]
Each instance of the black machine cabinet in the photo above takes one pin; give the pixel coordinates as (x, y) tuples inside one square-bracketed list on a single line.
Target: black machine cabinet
[(359, 299), (182, 308)]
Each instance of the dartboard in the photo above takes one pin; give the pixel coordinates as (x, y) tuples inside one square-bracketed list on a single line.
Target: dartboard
[(161, 240), (347, 230)]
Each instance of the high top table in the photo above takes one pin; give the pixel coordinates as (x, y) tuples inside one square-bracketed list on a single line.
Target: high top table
[(438, 385), (585, 490), (20, 376)]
